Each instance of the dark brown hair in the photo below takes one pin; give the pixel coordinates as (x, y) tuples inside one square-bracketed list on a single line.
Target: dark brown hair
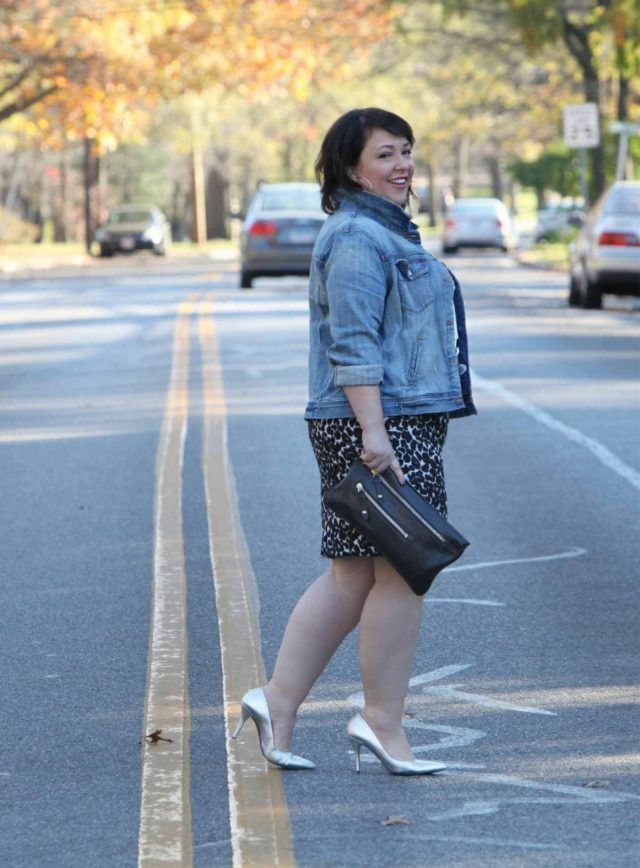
[(341, 148)]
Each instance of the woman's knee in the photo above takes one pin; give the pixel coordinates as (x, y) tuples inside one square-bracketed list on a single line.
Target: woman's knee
[(388, 577), (353, 573)]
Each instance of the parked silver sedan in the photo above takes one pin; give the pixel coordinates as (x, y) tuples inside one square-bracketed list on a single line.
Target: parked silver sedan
[(605, 257), (479, 222), (280, 230)]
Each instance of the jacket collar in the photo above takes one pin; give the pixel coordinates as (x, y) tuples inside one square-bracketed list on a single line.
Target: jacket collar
[(380, 209)]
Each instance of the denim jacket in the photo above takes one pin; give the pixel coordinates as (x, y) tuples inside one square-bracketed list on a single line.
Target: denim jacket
[(383, 311)]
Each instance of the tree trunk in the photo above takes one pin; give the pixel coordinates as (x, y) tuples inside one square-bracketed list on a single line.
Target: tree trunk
[(60, 213), (217, 205), (461, 166), (495, 175), (623, 98), (88, 180), (432, 195)]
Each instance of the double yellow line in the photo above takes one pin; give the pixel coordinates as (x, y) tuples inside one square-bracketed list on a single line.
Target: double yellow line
[(259, 817)]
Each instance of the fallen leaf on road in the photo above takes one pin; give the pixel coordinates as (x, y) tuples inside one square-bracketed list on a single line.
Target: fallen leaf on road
[(156, 736), (597, 784), (409, 714), (395, 821)]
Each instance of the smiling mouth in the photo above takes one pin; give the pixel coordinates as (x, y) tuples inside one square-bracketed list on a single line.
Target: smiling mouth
[(399, 182)]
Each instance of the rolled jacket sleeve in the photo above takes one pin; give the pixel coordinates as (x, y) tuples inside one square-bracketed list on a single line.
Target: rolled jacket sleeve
[(356, 284)]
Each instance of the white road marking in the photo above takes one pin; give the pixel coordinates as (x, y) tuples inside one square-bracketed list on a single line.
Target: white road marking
[(492, 842), (597, 449), (357, 699), (450, 691), (560, 794), (439, 674), (575, 552), (467, 602), (453, 736)]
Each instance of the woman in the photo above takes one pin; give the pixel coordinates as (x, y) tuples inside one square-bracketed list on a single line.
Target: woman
[(387, 368)]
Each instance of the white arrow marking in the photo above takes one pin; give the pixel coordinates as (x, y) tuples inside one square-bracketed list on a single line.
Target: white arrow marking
[(572, 553), (453, 736), (572, 796), (449, 690), (357, 699)]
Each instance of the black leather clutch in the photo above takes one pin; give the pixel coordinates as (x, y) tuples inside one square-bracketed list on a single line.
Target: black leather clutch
[(416, 540)]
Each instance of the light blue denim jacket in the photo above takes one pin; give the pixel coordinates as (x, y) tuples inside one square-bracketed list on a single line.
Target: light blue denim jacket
[(383, 311)]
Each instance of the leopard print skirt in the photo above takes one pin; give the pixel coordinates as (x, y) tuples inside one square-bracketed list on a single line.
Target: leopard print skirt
[(417, 442)]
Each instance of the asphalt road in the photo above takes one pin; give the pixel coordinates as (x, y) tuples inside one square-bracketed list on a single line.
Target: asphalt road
[(527, 667)]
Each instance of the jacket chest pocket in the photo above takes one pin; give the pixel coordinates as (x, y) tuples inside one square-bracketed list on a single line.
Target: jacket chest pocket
[(414, 283)]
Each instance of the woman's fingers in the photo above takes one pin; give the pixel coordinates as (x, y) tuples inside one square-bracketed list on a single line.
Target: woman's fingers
[(397, 470), (379, 462)]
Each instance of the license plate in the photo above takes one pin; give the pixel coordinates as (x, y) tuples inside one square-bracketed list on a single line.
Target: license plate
[(300, 236), (127, 243)]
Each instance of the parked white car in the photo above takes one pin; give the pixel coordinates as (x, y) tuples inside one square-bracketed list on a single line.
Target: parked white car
[(605, 257), (477, 223)]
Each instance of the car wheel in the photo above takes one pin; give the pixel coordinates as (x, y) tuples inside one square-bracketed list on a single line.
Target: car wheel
[(449, 249), (575, 296), (246, 279), (592, 296), (105, 251)]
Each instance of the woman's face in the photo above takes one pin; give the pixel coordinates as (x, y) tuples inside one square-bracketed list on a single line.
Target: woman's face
[(386, 166)]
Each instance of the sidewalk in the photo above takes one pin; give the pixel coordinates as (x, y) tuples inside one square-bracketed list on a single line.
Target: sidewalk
[(15, 262)]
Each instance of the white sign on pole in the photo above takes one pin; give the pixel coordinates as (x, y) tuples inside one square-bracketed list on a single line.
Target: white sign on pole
[(581, 125)]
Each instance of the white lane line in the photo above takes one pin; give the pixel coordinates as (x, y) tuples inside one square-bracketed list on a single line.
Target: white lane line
[(597, 449), (466, 602), (165, 816), (574, 552), (450, 691)]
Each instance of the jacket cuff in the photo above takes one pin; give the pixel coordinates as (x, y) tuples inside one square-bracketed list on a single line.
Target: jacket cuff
[(358, 375)]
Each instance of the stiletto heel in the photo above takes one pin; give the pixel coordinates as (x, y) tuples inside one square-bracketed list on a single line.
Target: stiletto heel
[(254, 705), (243, 719), (356, 746), (362, 735)]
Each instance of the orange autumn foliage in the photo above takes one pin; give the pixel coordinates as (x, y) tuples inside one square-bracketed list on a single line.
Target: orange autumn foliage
[(94, 68)]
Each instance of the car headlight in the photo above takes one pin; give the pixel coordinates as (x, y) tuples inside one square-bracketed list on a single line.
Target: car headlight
[(153, 234)]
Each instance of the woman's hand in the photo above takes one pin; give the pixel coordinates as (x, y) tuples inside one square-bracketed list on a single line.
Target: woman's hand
[(377, 452)]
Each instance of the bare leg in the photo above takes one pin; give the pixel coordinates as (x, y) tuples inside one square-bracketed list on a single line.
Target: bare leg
[(325, 614), (389, 628)]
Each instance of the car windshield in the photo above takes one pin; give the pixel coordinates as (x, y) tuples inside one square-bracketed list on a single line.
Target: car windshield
[(474, 207), (297, 199), (623, 200), (130, 217)]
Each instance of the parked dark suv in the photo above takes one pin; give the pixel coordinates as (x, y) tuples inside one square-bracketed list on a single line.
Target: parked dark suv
[(134, 227)]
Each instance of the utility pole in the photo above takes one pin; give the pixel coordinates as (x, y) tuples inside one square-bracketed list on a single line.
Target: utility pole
[(198, 201)]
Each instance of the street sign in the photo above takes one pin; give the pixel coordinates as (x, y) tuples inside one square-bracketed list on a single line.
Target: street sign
[(624, 127), (581, 125)]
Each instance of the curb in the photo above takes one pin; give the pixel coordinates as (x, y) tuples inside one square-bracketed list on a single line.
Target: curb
[(543, 266)]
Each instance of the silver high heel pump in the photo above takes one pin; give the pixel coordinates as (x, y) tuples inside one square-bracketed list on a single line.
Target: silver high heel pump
[(362, 735), (254, 705)]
